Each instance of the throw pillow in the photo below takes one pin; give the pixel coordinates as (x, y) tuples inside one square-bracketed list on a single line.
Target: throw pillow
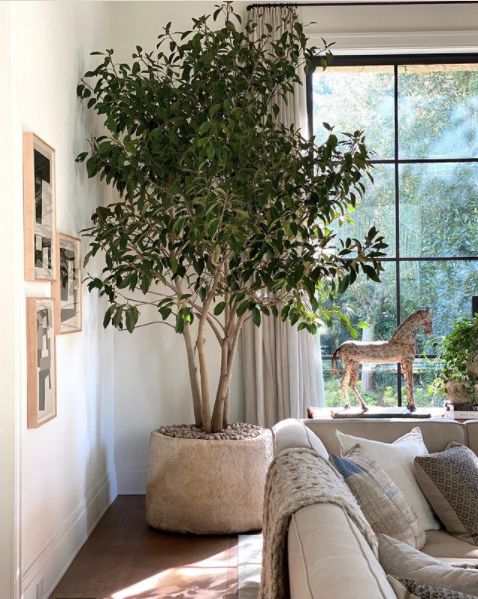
[(382, 502), (399, 589), (403, 561), (449, 480), (413, 589), (397, 460)]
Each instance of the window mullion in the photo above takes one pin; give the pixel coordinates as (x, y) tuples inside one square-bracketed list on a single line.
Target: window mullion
[(397, 218)]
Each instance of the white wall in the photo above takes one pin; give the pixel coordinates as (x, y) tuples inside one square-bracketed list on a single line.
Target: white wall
[(68, 475), (9, 279), (399, 28)]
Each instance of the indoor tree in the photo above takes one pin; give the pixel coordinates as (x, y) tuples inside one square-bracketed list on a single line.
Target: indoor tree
[(223, 213)]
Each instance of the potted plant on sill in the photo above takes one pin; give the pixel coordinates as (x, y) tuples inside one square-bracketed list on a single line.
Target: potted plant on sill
[(223, 216), (458, 355)]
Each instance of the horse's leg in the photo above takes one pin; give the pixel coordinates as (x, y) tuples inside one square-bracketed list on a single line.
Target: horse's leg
[(345, 382), (353, 385), (407, 368)]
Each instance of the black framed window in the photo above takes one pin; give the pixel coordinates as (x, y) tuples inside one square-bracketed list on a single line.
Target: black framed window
[(420, 116)]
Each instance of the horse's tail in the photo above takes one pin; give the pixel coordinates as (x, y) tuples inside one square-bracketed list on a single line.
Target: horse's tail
[(335, 368)]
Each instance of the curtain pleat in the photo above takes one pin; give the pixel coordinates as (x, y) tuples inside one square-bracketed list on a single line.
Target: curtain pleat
[(281, 366)]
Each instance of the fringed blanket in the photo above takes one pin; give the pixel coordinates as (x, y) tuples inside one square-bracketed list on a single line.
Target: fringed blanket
[(297, 478)]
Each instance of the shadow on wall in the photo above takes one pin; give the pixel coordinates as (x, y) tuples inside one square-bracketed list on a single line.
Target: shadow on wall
[(101, 494)]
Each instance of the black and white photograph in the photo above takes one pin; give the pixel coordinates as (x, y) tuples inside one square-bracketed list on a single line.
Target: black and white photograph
[(68, 285), (39, 209), (41, 361)]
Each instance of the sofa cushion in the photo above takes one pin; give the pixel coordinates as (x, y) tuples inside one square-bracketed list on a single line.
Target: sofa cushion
[(397, 460), (471, 429), (405, 588), (382, 502), (403, 561), (328, 556), (292, 433), (449, 480), (444, 546), (437, 434)]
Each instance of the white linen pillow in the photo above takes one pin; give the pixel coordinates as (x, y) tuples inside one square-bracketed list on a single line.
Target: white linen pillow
[(397, 459)]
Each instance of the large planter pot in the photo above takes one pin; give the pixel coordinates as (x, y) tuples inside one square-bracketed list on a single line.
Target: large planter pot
[(207, 486)]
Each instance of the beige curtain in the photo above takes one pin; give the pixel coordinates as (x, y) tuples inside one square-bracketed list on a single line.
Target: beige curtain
[(282, 367)]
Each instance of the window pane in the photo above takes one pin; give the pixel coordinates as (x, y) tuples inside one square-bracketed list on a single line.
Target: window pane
[(356, 97), (439, 209), (446, 287), (424, 373), (438, 111), (377, 385), (377, 207), (367, 301)]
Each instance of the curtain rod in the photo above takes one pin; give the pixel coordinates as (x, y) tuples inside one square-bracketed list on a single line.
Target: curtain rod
[(371, 3)]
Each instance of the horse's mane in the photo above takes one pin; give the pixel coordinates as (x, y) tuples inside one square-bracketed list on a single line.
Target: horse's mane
[(407, 319)]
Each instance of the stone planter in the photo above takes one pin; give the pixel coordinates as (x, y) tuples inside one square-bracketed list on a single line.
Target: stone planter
[(207, 486)]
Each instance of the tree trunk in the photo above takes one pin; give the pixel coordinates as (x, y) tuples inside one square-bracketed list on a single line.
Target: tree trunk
[(218, 415), (219, 419), (193, 377), (206, 414)]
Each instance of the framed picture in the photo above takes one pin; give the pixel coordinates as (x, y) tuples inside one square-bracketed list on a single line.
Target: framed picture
[(67, 287), (41, 362), (39, 208)]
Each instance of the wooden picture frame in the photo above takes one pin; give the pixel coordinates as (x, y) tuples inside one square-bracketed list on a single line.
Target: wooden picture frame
[(39, 208), (41, 361), (67, 289)]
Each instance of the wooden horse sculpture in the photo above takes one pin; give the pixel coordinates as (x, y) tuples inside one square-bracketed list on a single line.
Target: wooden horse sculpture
[(400, 348)]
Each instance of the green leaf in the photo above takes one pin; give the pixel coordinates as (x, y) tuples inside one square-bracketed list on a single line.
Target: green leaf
[(132, 316), (81, 157), (219, 308), (241, 309), (371, 272), (107, 317), (256, 317)]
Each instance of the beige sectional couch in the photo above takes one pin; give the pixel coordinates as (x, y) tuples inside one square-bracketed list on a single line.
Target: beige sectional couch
[(328, 558)]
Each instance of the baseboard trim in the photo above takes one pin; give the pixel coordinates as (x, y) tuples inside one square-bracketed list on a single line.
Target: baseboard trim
[(132, 481), (49, 566)]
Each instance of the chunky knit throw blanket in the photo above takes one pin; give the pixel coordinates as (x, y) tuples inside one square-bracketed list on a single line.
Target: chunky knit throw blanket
[(297, 478)]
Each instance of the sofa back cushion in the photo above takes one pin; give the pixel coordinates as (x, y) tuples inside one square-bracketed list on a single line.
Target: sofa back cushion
[(471, 430), (437, 434), (403, 561)]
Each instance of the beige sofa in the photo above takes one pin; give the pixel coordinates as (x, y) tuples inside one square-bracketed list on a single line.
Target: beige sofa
[(328, 557)]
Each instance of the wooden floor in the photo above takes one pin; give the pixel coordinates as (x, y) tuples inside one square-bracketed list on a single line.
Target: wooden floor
[(125, 559)]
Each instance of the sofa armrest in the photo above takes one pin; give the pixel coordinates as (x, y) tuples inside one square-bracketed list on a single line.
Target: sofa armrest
[(292, 433), (330, 559)]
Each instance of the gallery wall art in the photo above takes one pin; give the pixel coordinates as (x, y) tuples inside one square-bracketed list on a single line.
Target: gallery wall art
[(67, 287), (39, 208), (41, 361)]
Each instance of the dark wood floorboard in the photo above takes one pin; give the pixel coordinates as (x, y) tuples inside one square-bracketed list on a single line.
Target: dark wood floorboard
[(126, 559)]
